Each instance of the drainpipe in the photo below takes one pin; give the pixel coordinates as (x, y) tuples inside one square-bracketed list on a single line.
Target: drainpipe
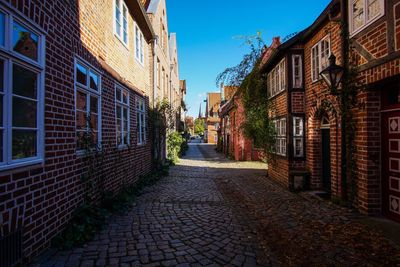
[(345, 59), (155, 71)]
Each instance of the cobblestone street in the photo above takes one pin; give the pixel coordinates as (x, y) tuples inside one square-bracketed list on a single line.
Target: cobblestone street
[(215, 212)]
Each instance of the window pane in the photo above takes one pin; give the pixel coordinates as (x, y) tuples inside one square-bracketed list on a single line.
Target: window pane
[(94, 81), (1, 145), (24, 113), (24, 82), (358, 14), (81, 120), (81, 101), (1, 110), (93, 104), (2, 28), (81, 74), (125, 97), (118, 112), (94, 122), (25, 42), (373, 8), (1, 75), (23, 144), (125, 138), (125, 113), (118, 94)]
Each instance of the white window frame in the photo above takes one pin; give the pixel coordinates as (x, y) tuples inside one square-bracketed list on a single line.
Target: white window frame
[(142, 129), (85, 88), (139, 45), (367, 20), (300, 67), (120, 104), (10, 58), (122, 6), (315, 70), (281, 137), (276, 79), (298, 135)]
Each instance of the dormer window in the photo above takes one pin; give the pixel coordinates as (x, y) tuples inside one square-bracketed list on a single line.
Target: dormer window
[(364, 12), (121, 21)]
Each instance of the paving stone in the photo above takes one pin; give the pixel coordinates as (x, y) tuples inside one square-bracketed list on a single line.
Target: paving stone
[(200, 215)]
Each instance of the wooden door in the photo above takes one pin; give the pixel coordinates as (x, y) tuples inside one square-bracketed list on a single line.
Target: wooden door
[(326, 160), (391, 165)]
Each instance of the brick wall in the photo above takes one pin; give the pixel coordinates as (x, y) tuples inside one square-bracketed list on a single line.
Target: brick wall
[(315, 92), (40, 199)]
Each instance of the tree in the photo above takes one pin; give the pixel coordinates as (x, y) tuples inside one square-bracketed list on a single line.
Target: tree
[(199, 126), (258, 125)]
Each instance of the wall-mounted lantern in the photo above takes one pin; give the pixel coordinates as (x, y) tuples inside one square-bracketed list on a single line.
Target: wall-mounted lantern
[(332, 75)]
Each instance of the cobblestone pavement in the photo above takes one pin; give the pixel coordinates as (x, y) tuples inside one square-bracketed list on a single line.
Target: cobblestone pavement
[(215, 212)]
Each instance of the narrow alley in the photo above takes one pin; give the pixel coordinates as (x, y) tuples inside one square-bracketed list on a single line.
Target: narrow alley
[(214, 212)]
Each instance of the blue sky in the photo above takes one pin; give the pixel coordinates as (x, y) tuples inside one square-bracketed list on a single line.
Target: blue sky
[(208, 34)]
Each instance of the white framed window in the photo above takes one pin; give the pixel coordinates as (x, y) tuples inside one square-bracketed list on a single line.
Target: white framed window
[(297, 69), (364, 12), (22, 57), (121, 21), (298, 137), (87, 105), (122, 116), (139, 45), (276, 79), (320, 53), (280, 128), (141, 121)]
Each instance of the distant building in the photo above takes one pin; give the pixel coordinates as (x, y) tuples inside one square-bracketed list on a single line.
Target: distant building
[(232, 141), (211, 118)]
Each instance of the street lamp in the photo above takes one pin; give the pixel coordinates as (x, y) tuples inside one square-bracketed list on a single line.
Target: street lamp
[(332, 75)]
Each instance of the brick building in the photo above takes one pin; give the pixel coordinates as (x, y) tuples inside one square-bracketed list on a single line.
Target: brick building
[(374, 34), (374, 30), (211, 118), (70, 70), (233, 143)]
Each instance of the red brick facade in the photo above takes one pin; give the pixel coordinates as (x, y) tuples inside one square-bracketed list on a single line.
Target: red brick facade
[(374, 55), (39, 199), (234, 142)]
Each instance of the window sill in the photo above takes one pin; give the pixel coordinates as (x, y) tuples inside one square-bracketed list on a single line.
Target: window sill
[(122, 147), (276, 95), (27, 164), (126, 45), (138, 61)]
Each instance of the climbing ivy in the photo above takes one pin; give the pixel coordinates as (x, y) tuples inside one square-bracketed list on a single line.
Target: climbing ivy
[(252, 90)]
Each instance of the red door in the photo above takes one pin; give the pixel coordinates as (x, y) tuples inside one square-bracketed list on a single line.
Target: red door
[(391, 165)]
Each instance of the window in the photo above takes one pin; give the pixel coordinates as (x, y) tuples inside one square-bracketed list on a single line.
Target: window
[(121, 21), (297, 67), (158, 73), (276, 79), (21, 93), (88, 114), (364, 12), (122, 114), (320, 57), (141, 121), (280, 128), (139, 52), (298, 136)]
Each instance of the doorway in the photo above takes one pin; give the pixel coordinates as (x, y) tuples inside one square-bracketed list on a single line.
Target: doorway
[(326, 154), (391, 165)]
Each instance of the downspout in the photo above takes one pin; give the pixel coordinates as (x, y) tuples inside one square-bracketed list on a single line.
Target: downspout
[(155, 71), (345, 59)]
